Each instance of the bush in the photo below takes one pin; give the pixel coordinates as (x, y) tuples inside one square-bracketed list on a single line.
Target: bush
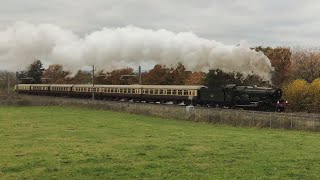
[(303, 96)]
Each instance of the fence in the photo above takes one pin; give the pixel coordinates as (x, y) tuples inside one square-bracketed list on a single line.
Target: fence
[(294, 121)]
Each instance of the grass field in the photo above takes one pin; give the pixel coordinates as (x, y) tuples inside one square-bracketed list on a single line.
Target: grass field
[(73, 143)]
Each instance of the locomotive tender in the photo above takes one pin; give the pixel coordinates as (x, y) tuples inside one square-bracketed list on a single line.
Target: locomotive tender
[(231, 96)]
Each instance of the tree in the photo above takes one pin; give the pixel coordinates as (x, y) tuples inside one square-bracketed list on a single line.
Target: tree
[(55, 74), (313, 98), (280, 59), (217, 78), (297, 94), (180, 74), (306, 64), (117, 77), (196, 78), (82, 77), (160, 74), (23, 78), (35, 71)]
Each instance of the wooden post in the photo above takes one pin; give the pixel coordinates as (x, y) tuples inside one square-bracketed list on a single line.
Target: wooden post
[(8, 81), (92, 82)]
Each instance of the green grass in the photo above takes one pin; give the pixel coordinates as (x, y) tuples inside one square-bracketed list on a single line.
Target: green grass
[(73, 143)]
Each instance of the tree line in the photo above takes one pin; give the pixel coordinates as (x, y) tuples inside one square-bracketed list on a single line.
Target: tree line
[(158, 75), (291, 67)]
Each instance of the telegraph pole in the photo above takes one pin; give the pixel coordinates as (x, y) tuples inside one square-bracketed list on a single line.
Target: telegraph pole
[(139, 75), (92, 82), (8, 81), (52, 77), (134, 75)]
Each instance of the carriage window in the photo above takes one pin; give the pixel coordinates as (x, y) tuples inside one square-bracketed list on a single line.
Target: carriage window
[(134, 91), (161, 91), (185, 92), (174, 92), (151, 91), (156, 91), (191, 93), (169, 91), (179, 92)]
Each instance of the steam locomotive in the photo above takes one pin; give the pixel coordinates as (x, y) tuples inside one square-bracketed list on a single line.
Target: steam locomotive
[(229, 96)]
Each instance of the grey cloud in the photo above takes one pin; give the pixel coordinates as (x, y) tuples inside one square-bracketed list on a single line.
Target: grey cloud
[(271, 22)]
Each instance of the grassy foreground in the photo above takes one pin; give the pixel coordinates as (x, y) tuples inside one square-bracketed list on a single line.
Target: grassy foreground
[(72, 143)]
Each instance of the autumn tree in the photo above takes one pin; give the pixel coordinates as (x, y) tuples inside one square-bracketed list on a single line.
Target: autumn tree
[(196, 78), (280, 59), (313, 98), (180, 74), (118, 76), (55, 74), (160, 74), (297, 94)]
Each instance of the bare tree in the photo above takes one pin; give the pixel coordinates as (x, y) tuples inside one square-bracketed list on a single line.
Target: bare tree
[(306, 64)]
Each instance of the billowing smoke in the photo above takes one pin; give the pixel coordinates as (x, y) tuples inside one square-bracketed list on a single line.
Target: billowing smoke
[(22, 43)]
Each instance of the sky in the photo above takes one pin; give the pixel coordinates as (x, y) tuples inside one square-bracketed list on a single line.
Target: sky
[(258, 22)]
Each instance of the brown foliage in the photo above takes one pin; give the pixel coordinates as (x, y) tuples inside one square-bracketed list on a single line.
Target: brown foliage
[(118, 76), (280, 59), (160, 74), (196, 78), (164, 75), (55, 74)]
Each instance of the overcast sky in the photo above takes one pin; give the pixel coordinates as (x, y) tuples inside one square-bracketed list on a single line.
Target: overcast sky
[(273, 22)]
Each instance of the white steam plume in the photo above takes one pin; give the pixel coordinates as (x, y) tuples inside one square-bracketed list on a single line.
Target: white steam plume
[(22, 43)]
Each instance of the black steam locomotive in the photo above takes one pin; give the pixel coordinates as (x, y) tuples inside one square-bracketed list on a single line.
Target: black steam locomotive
[(246, 97), (230, 96)]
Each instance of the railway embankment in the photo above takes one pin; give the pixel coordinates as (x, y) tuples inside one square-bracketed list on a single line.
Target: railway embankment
[(243, 118)]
